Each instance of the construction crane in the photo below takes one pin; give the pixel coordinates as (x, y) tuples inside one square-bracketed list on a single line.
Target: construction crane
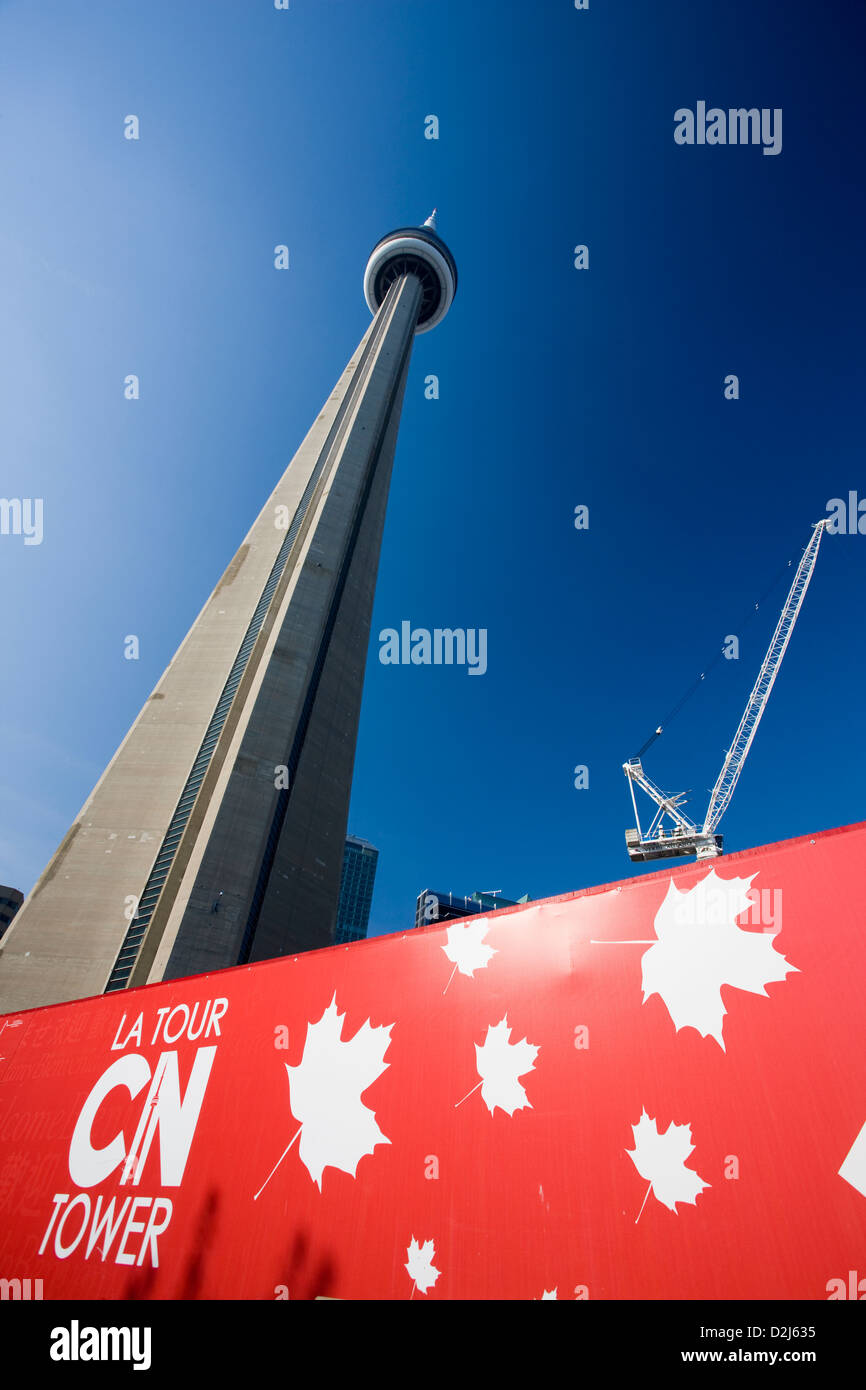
[(671, 833)]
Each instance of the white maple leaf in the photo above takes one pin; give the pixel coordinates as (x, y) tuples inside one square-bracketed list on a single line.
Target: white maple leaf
[(325, 1092), (547, 1296), (467, 949), (420, 1265), (853, 1168), (499, 1065), (700, 948), (661, 1159)]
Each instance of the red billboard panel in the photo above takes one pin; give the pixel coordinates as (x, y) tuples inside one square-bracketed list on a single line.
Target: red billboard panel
[(655, 1089)]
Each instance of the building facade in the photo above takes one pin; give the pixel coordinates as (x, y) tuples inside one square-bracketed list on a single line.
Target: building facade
[(431, 906), (10, 901), (360, 860)]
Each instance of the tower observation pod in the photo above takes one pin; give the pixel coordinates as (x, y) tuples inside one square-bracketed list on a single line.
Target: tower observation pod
[(215, 837), (421, 253)]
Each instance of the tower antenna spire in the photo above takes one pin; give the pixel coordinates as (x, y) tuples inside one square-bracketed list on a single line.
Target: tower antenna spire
[(431, 220)]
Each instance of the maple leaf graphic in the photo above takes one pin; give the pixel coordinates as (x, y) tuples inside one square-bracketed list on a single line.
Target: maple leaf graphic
[(661, 1159), (700, 948), (325, 1092), (499, 1065), (853, 1168), (420, 1265), (467, 948)]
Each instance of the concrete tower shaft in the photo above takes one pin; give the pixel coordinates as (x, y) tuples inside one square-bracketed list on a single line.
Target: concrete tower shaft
[(216, 834)]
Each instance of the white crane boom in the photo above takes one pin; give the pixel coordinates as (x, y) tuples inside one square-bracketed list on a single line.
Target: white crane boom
[(733, 764), (684, 838)]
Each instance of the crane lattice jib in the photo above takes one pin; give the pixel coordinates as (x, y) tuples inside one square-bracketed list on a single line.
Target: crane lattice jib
[(732, 766)]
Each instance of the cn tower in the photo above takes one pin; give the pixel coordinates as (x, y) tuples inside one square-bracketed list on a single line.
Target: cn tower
[(215, 835)]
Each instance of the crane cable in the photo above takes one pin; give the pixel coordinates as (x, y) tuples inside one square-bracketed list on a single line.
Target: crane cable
[(718, 656)]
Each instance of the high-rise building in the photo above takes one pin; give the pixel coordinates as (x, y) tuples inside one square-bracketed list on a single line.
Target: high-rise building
[(356, 889), (431, 906), (216, 834), (10, 901)]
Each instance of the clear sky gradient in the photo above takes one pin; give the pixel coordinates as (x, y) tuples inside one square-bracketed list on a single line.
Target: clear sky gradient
[(558, 387)]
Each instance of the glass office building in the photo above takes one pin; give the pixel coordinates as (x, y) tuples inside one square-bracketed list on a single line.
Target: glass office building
[(431, 906), (356, 889), (10, 901)]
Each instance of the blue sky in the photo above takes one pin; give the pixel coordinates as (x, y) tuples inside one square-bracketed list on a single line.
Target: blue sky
[(558, 387)]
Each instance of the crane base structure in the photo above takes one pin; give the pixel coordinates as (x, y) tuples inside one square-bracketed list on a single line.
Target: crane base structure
[(673, 846), (683, 839)]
